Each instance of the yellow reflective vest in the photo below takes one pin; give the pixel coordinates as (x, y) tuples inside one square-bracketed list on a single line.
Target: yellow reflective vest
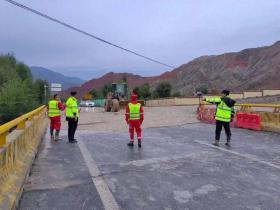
[(134, 111), (223, 112), (53, 109), (72, 108)]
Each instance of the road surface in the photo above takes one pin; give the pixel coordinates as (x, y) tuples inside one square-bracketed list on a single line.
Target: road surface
[(176, 168)]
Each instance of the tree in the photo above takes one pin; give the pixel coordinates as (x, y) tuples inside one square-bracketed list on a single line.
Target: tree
[(176, 94), (163, 89), (23, 71), (19, 94), (136, 90), (16, 98), (97, 94), (145, 91), (39, 87), (106, 89), (7, 70), (202, 88)]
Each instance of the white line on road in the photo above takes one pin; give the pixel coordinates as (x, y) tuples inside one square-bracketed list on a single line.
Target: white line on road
[(239, 154), (106, 196)]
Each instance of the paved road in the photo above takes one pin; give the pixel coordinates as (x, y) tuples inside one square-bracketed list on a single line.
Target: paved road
[(177, 168)]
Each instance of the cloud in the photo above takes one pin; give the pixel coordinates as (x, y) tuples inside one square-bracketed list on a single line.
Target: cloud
[(173, 32)]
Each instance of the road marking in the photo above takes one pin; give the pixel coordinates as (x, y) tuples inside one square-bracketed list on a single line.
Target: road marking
[(239, 154), (106, 196)]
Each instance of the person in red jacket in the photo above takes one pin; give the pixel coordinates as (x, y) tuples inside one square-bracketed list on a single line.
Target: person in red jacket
[(134, 117), (54, 112)]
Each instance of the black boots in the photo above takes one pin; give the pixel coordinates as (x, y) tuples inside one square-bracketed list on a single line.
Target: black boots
[(73, 141), (216, 143), (57, 136), (130, 144), (228, 141)]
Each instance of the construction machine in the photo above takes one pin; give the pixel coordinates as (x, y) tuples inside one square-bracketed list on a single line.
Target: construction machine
[(113, 99)]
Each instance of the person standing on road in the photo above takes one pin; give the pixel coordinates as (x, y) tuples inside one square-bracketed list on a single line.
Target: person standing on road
[(72, 116), (134, 117), (224, 115), (54, 112)]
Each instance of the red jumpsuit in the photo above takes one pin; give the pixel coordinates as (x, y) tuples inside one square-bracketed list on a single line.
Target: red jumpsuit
[(56, 121), (134, 124)]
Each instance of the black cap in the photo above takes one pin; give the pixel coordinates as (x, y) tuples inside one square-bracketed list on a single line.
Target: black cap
[(226, 92), (73, 93)]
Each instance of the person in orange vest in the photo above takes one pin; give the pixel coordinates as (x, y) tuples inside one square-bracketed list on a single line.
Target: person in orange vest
[(134, 117), (54, 112)]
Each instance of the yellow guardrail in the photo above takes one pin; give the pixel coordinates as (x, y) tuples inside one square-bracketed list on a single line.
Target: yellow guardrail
[(19, 123), (260, 105), (19, 144), (248, 107)]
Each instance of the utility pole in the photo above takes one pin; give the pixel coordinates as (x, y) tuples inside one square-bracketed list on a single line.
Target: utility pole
[(45, 94)]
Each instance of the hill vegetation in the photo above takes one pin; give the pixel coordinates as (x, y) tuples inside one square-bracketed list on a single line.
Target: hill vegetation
[(19, 93)]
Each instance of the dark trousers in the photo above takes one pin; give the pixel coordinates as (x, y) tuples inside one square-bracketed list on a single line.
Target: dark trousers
[(219, 126), (72, 127)]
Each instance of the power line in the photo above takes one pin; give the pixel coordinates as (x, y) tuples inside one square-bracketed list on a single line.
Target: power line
[(84, 32)]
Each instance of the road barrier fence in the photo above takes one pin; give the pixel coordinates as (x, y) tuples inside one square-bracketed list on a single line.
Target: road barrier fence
[(265, 117)]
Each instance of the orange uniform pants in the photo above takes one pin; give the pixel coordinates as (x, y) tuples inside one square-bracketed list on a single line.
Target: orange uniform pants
[(135, 125)]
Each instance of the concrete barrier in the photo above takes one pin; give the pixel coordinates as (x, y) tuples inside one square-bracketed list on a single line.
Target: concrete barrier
[(237, 95), (271, 92), (161, 102), (252, 94), (173, 102), (195, 101), (186, 101), (17, 152)]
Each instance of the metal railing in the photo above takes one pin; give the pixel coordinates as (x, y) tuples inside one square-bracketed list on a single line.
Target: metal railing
[(18, 123)]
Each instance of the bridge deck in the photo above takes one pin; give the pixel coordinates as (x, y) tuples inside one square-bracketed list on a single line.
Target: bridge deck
[(177, 168)]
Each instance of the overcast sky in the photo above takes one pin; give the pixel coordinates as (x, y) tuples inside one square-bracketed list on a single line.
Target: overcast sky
[(172, 31)]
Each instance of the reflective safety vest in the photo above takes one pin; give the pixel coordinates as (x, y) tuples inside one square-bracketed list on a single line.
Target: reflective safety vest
[(53, 109), (72, 107), (134, 111), (223, 112)]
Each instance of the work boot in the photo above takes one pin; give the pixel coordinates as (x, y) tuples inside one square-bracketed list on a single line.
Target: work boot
[(73, 141), (139, 143), (57, 138), (216, 143), (228, 141), (130, 144)]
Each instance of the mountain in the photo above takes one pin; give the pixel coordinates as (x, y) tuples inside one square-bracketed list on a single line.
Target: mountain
[(249, 69), (55, 77), (132, 81)]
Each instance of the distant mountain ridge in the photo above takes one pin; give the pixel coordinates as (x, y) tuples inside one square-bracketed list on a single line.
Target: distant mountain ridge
[(55, 77), (249, 69)]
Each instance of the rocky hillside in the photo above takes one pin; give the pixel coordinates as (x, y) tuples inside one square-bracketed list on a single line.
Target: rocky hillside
[(132, 81), (249, 69)]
